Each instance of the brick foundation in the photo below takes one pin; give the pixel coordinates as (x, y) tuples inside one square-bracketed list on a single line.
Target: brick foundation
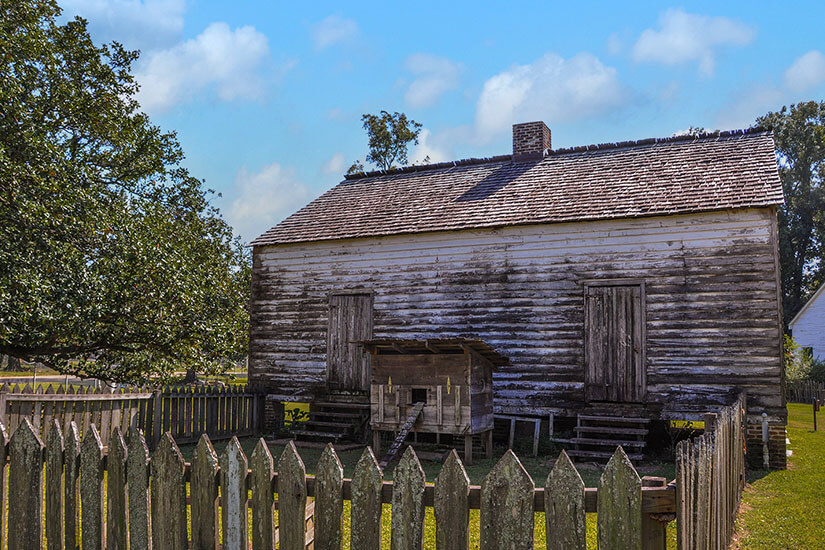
[(776, 444)]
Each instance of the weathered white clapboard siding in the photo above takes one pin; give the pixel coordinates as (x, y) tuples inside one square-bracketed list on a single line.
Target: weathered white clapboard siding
[(711, 302), (808, 326)]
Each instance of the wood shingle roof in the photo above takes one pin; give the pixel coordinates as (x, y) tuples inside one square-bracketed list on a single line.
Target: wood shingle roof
[(646, 178)]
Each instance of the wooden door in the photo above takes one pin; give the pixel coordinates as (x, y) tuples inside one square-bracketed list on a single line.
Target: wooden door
[(614, 326), (350, 320)]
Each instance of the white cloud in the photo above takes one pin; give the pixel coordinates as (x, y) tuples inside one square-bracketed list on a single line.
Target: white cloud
[(264, 198), (804, 74), (684, 37), (335, 164), (615, 44), (220, 58), (552, 89), (332, 29), (807, 72), (434, 147), (435, 75), (134, 23)]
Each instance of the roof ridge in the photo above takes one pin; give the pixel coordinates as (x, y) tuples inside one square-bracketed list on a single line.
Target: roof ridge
[(566, 150)]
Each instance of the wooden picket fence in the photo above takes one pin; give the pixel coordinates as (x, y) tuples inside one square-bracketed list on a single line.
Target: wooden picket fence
[(66, 503), (221, 412), (185, 412), (804, 391), (710, 476)]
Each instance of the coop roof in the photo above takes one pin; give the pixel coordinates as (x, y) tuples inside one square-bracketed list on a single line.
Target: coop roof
[(435, 346), (650, 177)]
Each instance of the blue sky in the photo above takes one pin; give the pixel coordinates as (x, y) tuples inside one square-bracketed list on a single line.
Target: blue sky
[(266, 97)]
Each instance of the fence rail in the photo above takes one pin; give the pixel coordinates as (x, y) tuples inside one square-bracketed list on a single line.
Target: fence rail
[(152, 494), (710, 476), (804, 391), (185, 412)]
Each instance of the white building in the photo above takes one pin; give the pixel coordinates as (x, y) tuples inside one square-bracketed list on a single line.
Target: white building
[(808, 326)]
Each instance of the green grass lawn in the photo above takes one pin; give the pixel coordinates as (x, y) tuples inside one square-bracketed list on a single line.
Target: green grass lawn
[(785, 509)]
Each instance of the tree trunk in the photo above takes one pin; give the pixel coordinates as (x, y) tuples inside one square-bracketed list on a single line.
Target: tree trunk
[(191, 376), (13, 364)]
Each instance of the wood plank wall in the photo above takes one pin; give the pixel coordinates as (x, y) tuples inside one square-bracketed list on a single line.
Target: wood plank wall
[(713, 321)]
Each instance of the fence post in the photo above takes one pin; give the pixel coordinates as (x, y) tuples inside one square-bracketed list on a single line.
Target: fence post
[(507, 506), (54, 481), (26, 486), (157, 418), (710, 422), (365, 517), (258, 411), (653, 530), (564, 508), (3, 405), (263, 503), (137, 463), (91, 491), (71, 495), (620, 504), (292, 499), (169, 529), (4, 440), (408, 503), (329, 500), (234, 514), (451, 505)]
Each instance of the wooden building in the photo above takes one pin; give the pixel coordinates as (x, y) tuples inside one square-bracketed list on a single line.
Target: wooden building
[(452, 380), (808, 326), (641, 276)]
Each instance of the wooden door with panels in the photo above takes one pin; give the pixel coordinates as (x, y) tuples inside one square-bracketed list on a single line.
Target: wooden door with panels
[(350, 320), (614, 339)]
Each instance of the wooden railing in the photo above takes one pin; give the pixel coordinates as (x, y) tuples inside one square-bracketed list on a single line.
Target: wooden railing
[(83, 405), (710, 476), (628, 512), (185, 412)]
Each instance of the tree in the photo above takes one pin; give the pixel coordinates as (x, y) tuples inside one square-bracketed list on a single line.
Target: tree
[(113, 262), (389, 136), (799, 132)]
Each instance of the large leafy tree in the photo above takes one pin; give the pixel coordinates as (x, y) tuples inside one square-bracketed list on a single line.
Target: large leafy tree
[(113, 262), (388, 137), (799, 131)]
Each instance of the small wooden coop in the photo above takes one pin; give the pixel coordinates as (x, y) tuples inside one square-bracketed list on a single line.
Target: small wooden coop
[(452, 379)]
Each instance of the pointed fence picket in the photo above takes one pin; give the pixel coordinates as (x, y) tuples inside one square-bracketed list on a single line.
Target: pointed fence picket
[(311, 508)]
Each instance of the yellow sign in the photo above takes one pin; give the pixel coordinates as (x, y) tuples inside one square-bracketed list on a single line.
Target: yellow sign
[(296, 412), (687, 424)]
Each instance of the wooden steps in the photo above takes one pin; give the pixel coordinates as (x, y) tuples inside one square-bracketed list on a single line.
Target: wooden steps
[(332, 422), (597, 436)]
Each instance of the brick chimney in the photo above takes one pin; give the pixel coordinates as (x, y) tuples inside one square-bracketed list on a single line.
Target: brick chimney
[(531, 140)]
